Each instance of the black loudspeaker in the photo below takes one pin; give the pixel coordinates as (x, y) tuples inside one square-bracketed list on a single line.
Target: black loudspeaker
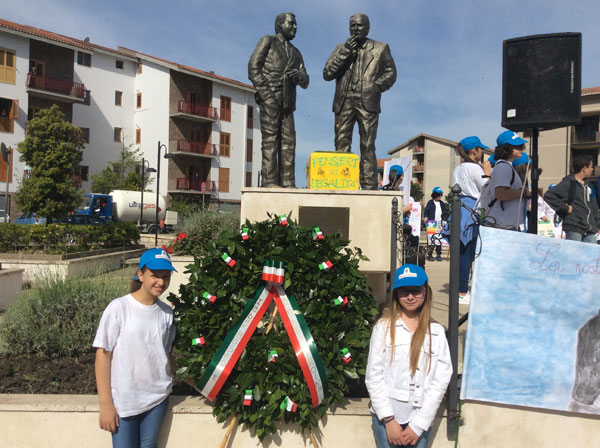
[(541, 81)]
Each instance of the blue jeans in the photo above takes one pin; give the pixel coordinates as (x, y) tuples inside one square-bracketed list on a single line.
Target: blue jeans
[(140, 431), (576, 236), (382, 441), (467, 253)]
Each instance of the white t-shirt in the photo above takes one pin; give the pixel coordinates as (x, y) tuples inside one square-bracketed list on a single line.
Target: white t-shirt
[(468, 176), (438, 211), (140, 339), (504, 213)]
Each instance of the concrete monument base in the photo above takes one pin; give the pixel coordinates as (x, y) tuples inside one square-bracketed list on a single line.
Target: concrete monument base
[(364, 217)]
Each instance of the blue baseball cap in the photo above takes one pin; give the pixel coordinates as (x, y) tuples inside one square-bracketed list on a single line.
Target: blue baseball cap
[(410, 275), (398, 169), (510, 137), (492, 160), (521, 160), (469, 143), (551, 186), (156, 260), (437, 190)]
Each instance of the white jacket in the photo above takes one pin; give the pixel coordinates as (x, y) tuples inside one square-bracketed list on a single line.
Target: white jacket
[(387, 380)]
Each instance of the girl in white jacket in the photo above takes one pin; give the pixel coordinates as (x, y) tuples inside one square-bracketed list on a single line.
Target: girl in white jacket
[(409, 365)]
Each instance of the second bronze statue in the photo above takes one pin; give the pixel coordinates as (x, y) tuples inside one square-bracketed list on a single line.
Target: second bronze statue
[(275, 69), (362, 68)]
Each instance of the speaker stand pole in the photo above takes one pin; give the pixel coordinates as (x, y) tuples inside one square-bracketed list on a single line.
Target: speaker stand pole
[(535, 175)]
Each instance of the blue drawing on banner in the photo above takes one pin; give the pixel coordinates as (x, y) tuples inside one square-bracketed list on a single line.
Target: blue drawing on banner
[(530, 297)]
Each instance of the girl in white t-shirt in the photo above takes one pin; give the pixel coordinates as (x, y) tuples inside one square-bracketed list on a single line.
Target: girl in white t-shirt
[(134, 366), (409, 364)]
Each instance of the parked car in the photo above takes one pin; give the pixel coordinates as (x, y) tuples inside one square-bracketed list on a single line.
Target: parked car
[(85, 220), (30, 218), (2, 215)]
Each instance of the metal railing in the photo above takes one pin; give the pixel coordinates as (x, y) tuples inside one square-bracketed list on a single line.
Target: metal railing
[(55, 85), (206, 148), (190, 184), (584, 137), (197, 109)]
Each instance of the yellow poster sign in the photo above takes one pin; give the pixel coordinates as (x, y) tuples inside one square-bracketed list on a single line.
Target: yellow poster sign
[(333, 171)]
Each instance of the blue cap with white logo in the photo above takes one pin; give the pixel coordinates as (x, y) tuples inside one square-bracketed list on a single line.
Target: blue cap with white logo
[(410, 275), (156, 260), (469, 143), (510, 137), (437, 190), (521, 160)]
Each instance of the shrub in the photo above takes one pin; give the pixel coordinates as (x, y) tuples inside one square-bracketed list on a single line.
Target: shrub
[(63, 238), (201, 229), (58, 317)]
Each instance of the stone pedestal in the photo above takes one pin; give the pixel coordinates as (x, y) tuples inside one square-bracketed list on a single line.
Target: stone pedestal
[(364, 217)]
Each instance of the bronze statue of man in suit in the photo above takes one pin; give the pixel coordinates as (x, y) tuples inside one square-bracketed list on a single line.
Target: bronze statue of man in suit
[(275, 68), (362, 69)]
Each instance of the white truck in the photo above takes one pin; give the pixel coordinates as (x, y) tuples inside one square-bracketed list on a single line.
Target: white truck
[(125, 206)]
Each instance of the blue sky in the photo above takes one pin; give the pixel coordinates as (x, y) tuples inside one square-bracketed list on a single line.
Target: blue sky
[(448, 53)]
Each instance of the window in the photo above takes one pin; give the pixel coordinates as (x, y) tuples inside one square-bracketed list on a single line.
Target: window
[(85, 134), (119, 64), (8, 63), (84, 59), (117, 133), (37, 67), (9, 112), (248, 179), (84, 172), (138, 136), (249, 150), (225, 108), (138, 101), (31, 111), (86, 97), (118, 98), (225, 144), (224, 180), (250, 122), (4, 165)]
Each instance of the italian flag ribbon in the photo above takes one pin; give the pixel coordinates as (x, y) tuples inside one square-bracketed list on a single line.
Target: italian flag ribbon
[(273, 271), (235, 342)]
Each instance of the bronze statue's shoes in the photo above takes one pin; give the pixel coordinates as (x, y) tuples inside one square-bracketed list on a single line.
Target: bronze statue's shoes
[(271, 186)]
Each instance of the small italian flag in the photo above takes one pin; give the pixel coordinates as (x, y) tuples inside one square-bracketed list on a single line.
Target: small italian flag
[(346, 355), (248, 397), (198, 341), (326, 265), (228, 260), (208, 296), (341, 301), (273, 271), (272, 356), (317, 234), (245, 233), (283, 220), (288, 405)]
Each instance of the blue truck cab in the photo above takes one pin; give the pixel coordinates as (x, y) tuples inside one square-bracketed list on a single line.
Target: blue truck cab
[(98, 205)]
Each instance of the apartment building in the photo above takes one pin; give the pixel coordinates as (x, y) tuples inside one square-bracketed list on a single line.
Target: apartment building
[(433, 160), (208, 124), (557, 147)]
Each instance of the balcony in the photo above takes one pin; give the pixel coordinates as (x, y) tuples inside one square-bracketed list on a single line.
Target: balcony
[(203, 149), (55, 89), (419, 168), (195, 112), (589, 138), (418, 149), (186, 184)]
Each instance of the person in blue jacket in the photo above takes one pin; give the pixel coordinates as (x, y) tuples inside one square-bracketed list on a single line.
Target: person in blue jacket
[(435, 210)]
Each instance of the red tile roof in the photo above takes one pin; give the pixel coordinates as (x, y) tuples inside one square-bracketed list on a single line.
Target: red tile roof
[(84, 45), (381, 162), (590, 91)]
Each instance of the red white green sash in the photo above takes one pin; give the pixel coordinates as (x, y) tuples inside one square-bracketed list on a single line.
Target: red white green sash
[(235, 342)]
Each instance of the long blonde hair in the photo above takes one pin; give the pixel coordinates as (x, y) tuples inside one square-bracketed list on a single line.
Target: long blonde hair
[(393, 312)]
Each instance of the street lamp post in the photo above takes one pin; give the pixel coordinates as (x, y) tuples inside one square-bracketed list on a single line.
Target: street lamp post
[(167, 156), (145, 169), (6, 157)]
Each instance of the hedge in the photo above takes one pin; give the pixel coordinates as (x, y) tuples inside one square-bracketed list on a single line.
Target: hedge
[(66, 238)]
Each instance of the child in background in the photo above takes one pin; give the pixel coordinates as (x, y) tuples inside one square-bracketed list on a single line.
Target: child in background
[(409, 365), (134, 366)]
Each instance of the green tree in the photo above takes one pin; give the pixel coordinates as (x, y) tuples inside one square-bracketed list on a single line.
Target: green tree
[(416, 191), (123, 174), (53, 149)]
